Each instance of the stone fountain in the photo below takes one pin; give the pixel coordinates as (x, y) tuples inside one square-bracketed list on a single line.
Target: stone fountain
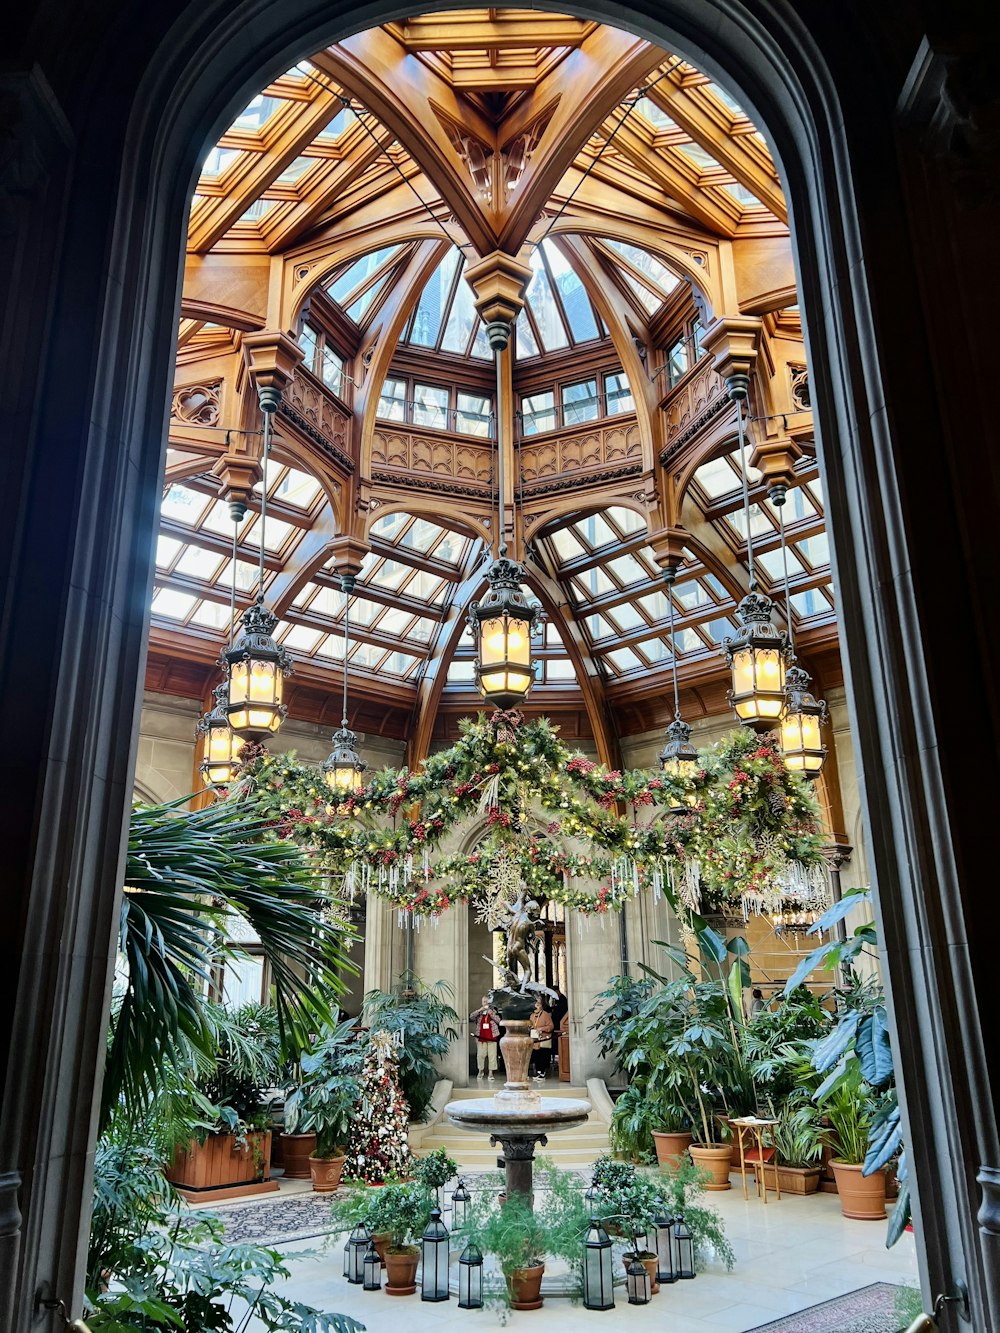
[(516, 1117)]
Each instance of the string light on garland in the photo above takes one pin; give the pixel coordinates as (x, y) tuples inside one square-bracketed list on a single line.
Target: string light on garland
[(503, 623), (802, 747), (344, 769), (678, 758), (756, 652), (255, 665)]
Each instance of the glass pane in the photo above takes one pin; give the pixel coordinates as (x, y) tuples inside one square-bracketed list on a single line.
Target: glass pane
[(598, 628), (559, 668), (759, 521), (627, 569), (398, 664), (677, 362), (426, 586), (626, 616), (654, 650), (364, 612), (579, 402), (217, 161), (624, 659), (717, 478), (538, 412), (295, 170), (595, 531), (297, 488), (655, 606), (592, 583), (430, 406), (211, 615), (576, 303), (524, 339), (618, 394), (389, 575), (688, 642), (243, 981), (773, 566), (184, 505), (332, 371), (166, 549), (422, 535), (199, 563), (811, 602), (301, 638), (433, 302), (544, 310), (473, 415), (343, 120), (701, 157), (258, 113), (461, 321), (392, 401), (717, 630), (815, 549), (566, 544), (626, 520), (356, 273), (656, 117), (389, 528), (690, 595), (309, 342), (176, 605), (451, 548), (649, 300), (461, 672), (331, 647), (741, 194), (276, 532), (647, 264)]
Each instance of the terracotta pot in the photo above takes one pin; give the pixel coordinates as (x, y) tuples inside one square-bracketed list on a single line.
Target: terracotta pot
[(798, 1179), (649, 1263), (401, 1271), (297, 1149), (526, 1288), (861, 1197), (671, 1147), (326, 1172), (380, 1240), (714, 1158)]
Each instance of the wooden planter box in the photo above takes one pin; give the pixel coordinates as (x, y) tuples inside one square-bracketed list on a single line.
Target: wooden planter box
[(798, 1179), (218, 1169)]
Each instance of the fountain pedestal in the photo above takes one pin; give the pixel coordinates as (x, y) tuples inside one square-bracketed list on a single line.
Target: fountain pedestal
[(517, 1117)]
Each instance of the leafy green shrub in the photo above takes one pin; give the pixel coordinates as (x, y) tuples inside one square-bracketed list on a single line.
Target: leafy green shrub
[(682, 1190), (428, 1026), (435, 1169), (328, 1091)]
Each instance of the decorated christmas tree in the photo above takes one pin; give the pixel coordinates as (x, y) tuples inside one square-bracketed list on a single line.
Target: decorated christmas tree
[(378, 1145)]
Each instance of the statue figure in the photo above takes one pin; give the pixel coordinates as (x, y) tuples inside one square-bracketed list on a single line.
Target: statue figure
[(520, 924)]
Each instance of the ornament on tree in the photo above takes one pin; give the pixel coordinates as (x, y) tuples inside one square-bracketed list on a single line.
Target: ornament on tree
[(378, 1143)]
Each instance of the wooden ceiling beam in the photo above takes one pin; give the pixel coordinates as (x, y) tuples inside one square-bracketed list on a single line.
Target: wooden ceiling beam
[(463, 32)]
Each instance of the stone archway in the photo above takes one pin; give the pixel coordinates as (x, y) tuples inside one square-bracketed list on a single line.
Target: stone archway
[(135, 104)]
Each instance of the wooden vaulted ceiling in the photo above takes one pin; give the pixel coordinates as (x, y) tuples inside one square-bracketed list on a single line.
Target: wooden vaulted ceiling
[(354, 191)]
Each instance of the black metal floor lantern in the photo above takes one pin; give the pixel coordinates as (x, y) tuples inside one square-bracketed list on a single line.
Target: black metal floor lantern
[(470, 1278), (683, 1249), (637, 1282), (598, 1276), (664, 1225), (434, 1249), (460, 1201), (357, 1246), (372, 1269)]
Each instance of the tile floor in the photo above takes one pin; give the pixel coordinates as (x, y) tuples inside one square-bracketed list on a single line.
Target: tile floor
[(789, 1255)]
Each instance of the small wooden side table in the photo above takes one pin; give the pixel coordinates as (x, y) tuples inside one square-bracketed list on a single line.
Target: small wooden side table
[(758, 1156)]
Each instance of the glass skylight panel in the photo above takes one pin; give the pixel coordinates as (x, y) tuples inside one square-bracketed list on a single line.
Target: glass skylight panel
[(566, 545), (420, 631), (596, 531), (430, 406), (461, 672), (257, 210), (717, 478), (538, 412), (624, 659), (184, 505), (773, 566), (309, 342), (357, 272), (759, 521), (331, 370), (303, 595), (297, 488), (360, 306), (576, 303), (579, 402), (211, 615), (246, 576), (433, 302), (301, 638), (199, 563), (726, 98), (741, 194), (426, 587), (626, 520), (258, 113), (389, 575), (364, 612), (461, 321), (398, 664), (715, 587), (332, 647), (626, 616), (217, 161), (688, 641), (295, 170), (389, 527), (655, 605), (451, 548), (654, 650), (617, 394), (220, 521), (548, 320), (343, 120), (797, 505), (473, 416), (701, 157), (598, 628), (647, 264), (366, 655), (553, 639), (421, 536), (559, 668), (810, 602), (649, 301), (815, 549), (327, 602), (717, 630), (690, 595), (627, 569), (276, 533), (592, 583), (392, 402), (175, 605), (166, 549), (524, 339), (481, 344), (816, 491), (656, 116)]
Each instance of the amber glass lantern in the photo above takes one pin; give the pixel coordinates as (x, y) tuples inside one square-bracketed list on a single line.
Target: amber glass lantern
[(221, 754), (802, 745), (344, 769), (756, 656), (257, 668), (679, 758), (502, 625)]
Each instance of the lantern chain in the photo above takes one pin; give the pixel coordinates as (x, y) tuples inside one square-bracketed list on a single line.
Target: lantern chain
[(777, 496), (746, 493), (669, 574), (498, 416), (346, 584), (268, 425)]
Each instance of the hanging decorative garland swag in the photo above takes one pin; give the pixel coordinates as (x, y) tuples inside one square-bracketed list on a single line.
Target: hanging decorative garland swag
[(744, 832)]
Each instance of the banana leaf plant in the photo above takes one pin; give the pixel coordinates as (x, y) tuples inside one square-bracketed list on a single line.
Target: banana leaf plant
[(189, 877), (858, 1048)]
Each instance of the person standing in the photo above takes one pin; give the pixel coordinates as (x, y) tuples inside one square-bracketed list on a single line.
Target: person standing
[(541, 1030), (487, 1022)]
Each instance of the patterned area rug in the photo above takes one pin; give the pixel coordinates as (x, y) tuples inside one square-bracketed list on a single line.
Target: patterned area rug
[(275, 1221), (868, 1310)]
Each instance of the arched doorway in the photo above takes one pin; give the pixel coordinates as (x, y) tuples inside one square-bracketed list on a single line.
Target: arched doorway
[(164, 93)]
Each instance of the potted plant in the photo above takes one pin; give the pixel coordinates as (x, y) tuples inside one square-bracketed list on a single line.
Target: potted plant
[(682, 1191), (850, 1109), (401, 1209), (798, 1141), (434, 1170), (627, 1206), (323, 1103), (426, 1026)]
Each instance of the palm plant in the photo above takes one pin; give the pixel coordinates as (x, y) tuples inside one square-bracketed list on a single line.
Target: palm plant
[(187, 874)]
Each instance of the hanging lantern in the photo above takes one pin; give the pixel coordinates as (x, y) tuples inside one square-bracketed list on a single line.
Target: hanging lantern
[(434, 1260), (470, 1278), (598, 1277), (664, 1248), (637, 1282), (683, 1250), (344, 769), (460, 1201), (679, 758), (756, 656), (802, 745), (502, 625), (357, 1247), (371, 1269), (256, 667), (222, 746)]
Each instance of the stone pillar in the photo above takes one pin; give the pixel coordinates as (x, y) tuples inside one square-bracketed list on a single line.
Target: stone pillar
[(592, 956), (441, 953)]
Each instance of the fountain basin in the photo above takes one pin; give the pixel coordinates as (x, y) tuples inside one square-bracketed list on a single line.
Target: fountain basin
[(518, 1113)]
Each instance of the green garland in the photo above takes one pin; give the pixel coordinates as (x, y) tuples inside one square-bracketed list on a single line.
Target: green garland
[(736, 832)]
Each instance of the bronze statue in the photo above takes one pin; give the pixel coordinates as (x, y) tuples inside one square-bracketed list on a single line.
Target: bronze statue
[(520, 925)]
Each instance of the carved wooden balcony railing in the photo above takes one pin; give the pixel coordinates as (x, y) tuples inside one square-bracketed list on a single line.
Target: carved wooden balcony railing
[(581, 456), (309, 406), (432, 460), (692, 405)]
